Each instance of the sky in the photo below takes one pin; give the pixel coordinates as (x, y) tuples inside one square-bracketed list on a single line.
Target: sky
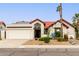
[(11, 12)]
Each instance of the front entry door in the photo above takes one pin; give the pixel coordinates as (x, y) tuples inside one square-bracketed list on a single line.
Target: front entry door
[(37, 30), (37, 33)]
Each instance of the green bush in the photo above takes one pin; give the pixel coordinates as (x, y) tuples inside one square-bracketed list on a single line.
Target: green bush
[(57, 34), (65, 37), (45, 39), (41, 39), (60, 39)]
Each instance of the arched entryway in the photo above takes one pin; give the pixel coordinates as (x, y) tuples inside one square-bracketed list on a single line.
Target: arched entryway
[(37, 30)]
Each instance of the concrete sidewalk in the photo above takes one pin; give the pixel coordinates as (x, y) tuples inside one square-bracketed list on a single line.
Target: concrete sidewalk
[(39, 51), (48, 46)]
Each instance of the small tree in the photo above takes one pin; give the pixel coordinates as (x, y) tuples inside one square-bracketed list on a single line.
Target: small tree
[(76, 24)]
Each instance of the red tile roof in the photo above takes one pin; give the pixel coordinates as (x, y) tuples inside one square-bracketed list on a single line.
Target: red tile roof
[(58, 21), (62, 23), (48, 23)]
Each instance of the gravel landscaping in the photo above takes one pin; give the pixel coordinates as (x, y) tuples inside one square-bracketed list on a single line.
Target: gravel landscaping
[(52, 42)]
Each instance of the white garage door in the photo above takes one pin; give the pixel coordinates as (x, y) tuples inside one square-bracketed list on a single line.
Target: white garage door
[(19, 34)]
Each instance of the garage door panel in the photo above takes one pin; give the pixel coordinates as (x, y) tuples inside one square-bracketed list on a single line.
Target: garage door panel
[(19, 34)]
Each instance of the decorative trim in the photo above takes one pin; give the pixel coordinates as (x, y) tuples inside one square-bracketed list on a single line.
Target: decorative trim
[(37, 20), (20, 27), (60, 22)]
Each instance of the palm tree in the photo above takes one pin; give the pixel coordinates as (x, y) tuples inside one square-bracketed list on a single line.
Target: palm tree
[(76, 23), (59, 9)]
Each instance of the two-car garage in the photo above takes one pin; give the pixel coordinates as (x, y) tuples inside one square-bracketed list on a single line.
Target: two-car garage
[(24, 32)]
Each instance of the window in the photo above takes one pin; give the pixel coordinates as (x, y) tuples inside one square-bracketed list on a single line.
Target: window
[(37, 26), (57, 32)]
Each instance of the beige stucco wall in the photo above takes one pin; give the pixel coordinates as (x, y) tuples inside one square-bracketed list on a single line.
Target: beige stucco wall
[(65, 31), (71, 31), (42, 26)]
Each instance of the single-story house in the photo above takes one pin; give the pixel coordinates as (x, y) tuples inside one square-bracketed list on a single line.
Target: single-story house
[(36, 29)]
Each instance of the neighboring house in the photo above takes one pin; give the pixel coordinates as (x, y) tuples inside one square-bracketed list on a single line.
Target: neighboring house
[(37, 29), (2, 30)]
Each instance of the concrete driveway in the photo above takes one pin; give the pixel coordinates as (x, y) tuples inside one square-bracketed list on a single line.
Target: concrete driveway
[(11, 43)]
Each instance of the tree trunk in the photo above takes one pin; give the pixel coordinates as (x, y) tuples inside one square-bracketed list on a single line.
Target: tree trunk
[(61, 28), (78, 28), (60, 12)]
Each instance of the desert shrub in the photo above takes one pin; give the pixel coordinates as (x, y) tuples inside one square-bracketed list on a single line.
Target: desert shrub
[(60, 39), (65, 37), (41, 39), (50, 37), (45, 39)]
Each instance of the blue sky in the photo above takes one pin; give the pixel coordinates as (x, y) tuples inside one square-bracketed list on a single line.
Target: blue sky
[(10, 13)]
